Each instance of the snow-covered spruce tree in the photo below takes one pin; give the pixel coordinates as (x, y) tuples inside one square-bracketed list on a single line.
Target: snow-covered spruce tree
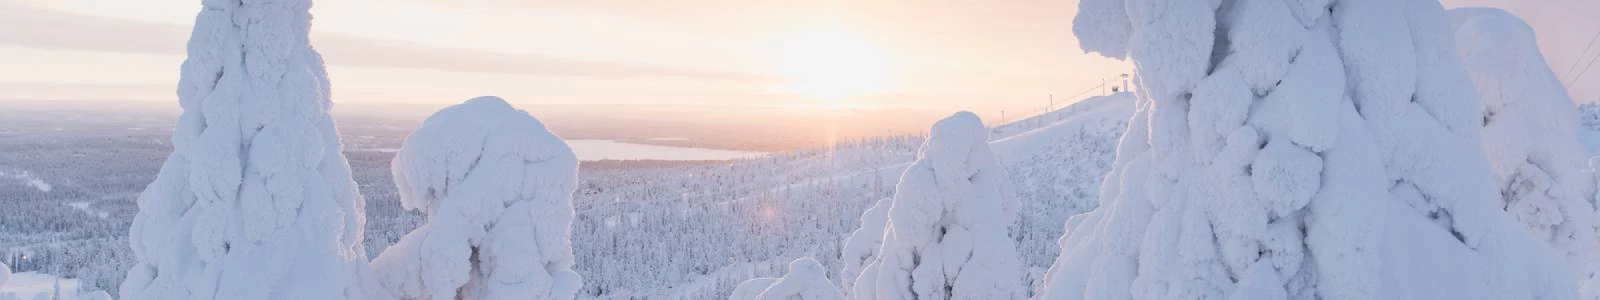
[(862, 247), (256, 200), (806, 280), (1530, 133), (497, 190), (947, 235), (1296, 149)]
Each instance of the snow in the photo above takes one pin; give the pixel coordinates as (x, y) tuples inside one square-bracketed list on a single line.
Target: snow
[(1092, 114), (806, 280), (1265, 39), (497, 187), (1057, 170), (1101, 27), (593, 150), (1566, 30), (256, 200), (29, 179), (1286, 177), (1530, 134), (1589, 130), (1297, 149), (861, 248), (34, 285), (814, 204), (87, 209), (1266, 138), (752, 289), (947, 234)]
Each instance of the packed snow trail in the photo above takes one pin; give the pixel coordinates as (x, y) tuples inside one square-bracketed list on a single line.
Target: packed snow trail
[(1530, 133), (497, 187), (256, 200), (1268, 133), (947, 233)]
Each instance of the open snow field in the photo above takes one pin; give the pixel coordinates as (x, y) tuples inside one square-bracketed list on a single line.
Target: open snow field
[(683, 226)]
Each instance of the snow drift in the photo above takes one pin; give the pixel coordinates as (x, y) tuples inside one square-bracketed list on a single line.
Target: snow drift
[(1296, 149), (806, 280), (1530, 133), (497, 189), (256, 200), (946, 235)]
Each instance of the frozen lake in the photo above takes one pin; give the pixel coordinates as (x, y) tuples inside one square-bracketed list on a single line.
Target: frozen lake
[(590, 150)]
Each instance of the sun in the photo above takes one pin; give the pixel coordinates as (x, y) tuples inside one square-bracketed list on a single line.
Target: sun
[(832, 65)]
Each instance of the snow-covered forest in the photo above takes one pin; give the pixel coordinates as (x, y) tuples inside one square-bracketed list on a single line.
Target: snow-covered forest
[(1268, 149)]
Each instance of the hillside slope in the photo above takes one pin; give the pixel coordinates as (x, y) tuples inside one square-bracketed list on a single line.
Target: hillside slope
[(816, 199)]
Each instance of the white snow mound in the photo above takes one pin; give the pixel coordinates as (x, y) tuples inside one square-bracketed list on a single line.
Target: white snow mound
[(1530, 133), (862, 247), (256, 200), (806, 280), (947, 235), (497, 190), (1297, 150)]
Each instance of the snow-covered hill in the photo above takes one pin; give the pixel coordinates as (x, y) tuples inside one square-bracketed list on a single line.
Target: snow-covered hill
[(704, 231), (1056, 169), (689, 230)]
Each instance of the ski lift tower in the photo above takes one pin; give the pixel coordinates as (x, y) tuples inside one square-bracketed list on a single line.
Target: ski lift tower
[(1125, 86)]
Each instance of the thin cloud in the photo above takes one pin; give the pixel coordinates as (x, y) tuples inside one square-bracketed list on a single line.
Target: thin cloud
[(355, 51), (59, 30)]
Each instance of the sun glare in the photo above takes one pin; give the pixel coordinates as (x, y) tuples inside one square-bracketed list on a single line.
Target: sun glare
[(831, 65)]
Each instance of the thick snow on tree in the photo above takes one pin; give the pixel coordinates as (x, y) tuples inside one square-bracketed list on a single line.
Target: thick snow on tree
[(1530, 133), (862, 247), (752, 289), (1296, 149), (947, 235), (497, 189), (256, 200), (806, 280)]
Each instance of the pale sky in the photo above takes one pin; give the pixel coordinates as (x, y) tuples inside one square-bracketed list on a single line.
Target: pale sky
[(946, 54), (984, 56)]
